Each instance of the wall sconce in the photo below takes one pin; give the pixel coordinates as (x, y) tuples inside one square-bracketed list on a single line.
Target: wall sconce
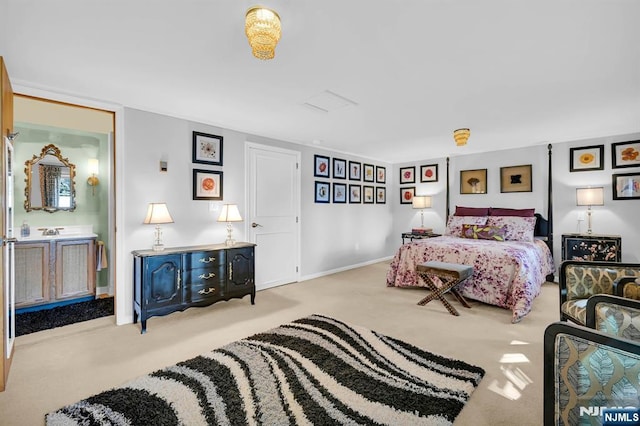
[(589, 197), (93, 181), (229, 214), (157, 213), (421, 202)]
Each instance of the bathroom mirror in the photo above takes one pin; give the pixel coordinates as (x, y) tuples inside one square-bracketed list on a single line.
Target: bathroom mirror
[(50, 182)]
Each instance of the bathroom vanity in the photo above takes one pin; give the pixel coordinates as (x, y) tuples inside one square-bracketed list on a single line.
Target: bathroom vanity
[(54, 264)]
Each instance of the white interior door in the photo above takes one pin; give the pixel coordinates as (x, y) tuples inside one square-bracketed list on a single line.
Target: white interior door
[(273, 205)]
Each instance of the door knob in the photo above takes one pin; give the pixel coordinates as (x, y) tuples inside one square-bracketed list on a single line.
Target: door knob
[(255, 225)]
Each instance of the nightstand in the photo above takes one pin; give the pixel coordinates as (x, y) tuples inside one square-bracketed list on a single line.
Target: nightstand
[(606, 248), (418, 236)]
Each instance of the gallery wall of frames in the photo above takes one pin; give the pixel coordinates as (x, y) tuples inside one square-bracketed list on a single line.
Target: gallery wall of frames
[(341, 181)]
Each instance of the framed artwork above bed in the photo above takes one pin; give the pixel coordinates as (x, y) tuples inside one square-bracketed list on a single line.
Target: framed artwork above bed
[(473, 181), (515, 178)]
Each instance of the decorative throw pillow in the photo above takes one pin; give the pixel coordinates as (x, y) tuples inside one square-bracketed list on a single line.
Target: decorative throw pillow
[(511, 212), (484, 232), (454, 225), (471, 211), (518, 228)]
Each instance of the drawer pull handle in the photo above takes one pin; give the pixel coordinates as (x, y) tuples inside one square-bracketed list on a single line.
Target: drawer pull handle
[(207, 260), (207, 276), (206, 291)]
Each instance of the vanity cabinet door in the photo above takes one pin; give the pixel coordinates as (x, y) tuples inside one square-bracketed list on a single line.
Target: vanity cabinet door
[(32, 273), (75, 268), (162, 282)]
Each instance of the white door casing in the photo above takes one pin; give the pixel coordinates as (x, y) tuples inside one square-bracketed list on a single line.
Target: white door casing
[(273, 213)]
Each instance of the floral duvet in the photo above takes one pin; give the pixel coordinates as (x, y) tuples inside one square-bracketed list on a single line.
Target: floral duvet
[(508, 274)]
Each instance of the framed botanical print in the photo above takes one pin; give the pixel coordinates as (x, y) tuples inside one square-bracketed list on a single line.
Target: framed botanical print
[(406, 195), (322, 192), (339, 193), (207, 149), (207, 184), (381, 195), (354, 170), (381, 174), (339, 168), (625, 154), (586, 158), (473, 181), (626, 186), (429, 173), (368, 173), (407, 175), (321, 166), (368, 195), (515, 179), (355, 194)]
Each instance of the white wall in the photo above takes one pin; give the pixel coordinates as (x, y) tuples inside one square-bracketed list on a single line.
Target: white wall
[(333, 236)]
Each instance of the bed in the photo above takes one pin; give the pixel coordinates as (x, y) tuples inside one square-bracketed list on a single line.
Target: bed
[(508, 248)]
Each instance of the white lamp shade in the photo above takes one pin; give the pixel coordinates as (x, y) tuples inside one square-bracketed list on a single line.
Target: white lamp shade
[(421, 202), (230, 213), (94, 166), (157, 213), (590, 196)]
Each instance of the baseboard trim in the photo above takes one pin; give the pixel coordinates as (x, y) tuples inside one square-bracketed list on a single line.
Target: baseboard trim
[(344, 268)]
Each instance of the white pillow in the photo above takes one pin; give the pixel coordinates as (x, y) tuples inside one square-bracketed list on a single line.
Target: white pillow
[(454, 225), (518, 228)]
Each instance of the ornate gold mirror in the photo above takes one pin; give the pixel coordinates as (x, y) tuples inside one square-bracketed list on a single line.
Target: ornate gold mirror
[(50, 182)]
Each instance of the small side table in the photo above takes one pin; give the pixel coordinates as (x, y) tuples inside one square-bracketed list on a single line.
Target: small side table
[(592, 247), (411, 236)]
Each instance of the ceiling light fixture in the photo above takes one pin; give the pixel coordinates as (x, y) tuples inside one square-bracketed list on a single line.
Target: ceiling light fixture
[(262, 27), (461, 136)]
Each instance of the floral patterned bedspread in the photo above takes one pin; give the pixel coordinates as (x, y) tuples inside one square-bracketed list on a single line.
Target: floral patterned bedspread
[(508, 274)]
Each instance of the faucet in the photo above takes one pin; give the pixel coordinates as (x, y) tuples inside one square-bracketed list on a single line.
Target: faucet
[(50, 231)]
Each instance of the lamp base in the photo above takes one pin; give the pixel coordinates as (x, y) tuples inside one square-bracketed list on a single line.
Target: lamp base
[(158, 247), (230, 242)]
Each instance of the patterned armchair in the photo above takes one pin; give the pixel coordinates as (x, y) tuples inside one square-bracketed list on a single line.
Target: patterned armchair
[(585, 371), (579, 280)]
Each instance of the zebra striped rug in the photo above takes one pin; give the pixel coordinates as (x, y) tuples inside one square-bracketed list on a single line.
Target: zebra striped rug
[(316, 370)]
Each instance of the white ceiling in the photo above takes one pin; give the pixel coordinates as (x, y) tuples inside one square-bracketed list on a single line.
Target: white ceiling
[(517, 72)]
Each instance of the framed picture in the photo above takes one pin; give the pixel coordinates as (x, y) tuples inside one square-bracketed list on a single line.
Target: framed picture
[(381, 195), (368, 173), (321, 166), (625, 154), (339, 193), (339, 168), (381, 174), (407, 174), (368, 194), (207, 184), (429, 173), (473, 181), (354, 170), (355, 194), (322, 192), (515, 179), (207, 149), (626, 186), (586, 158), (406, 195)]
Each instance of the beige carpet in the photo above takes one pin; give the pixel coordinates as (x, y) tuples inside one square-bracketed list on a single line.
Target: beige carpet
[(57, 367)]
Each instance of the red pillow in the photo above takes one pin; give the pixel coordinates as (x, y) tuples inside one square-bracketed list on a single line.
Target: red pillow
[(512, 212), (471, 211)]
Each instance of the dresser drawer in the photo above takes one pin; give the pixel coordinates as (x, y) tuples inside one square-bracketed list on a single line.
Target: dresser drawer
[(204, 259), (204, 291), (204, 276)]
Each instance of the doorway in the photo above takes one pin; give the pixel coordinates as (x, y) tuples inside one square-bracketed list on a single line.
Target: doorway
[(85, 137)]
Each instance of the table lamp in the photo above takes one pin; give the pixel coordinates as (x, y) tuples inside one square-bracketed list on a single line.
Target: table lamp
[(421, 202), (229, 214), (589, 197), (157, 213)]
